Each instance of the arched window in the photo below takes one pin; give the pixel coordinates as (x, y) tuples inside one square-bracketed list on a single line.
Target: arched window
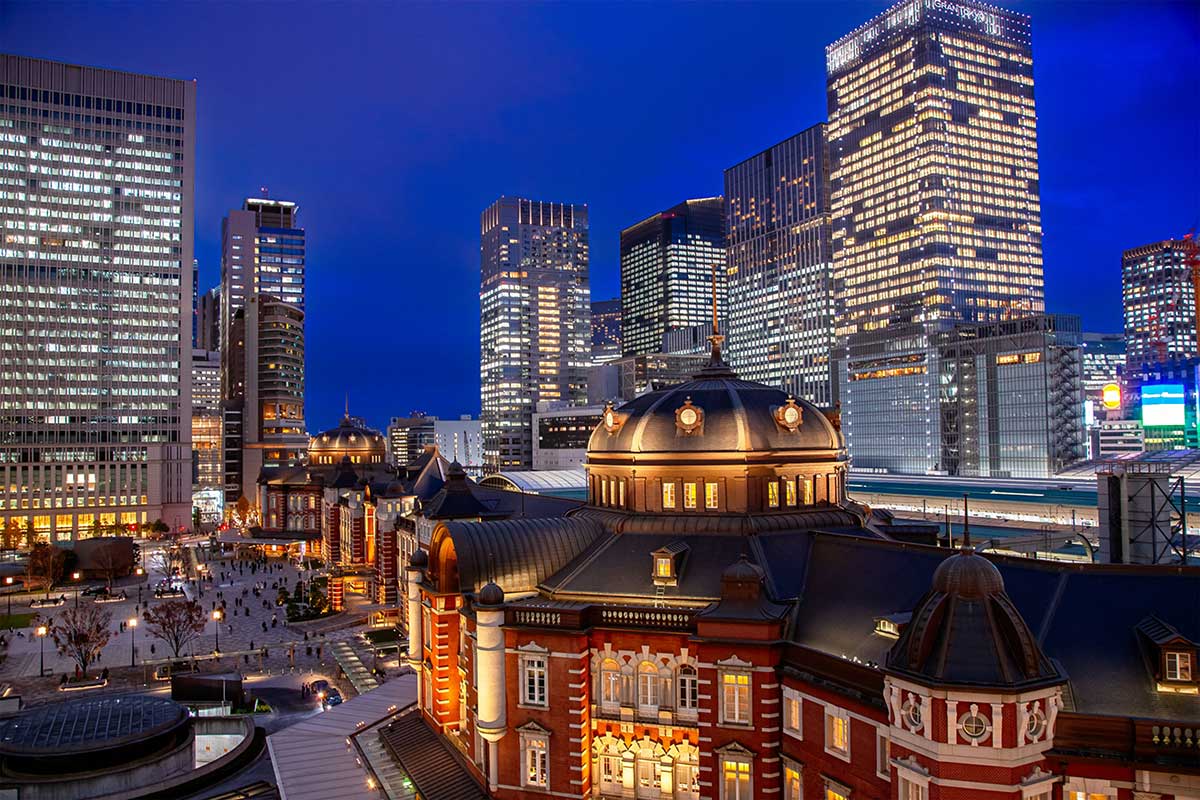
[(687, 774), (610, 683), (689, 689), (647, 686)]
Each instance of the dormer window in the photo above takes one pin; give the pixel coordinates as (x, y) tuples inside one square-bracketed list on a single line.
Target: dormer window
[(892, 625), (667, 563), (1174, 656)]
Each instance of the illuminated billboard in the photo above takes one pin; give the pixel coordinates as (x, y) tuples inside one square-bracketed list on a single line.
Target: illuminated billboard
[(1111, 395), (1162, 405)]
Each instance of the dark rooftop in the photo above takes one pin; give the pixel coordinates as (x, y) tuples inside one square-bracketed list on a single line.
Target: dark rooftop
[(88, 724)]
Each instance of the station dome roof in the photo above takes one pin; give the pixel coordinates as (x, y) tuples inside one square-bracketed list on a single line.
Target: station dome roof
[(716, 412), (351, 438)]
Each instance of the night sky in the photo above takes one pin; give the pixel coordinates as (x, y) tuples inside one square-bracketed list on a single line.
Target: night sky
[(394, 125)]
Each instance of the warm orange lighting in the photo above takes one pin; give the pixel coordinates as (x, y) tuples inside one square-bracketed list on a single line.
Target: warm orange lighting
[(132, 622), (8, 581), (41, 630), (76, 575), (1110, 395), (217, 614)]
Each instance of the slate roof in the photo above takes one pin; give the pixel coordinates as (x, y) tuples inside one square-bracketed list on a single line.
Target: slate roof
[(517, 553)]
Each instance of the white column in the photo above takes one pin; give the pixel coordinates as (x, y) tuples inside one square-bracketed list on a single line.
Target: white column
[(415, 644), (489, 671)]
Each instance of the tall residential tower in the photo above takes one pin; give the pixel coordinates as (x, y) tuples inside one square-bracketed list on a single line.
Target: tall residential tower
[(781, 293), (668, 262), (535, 319), (96, 202)]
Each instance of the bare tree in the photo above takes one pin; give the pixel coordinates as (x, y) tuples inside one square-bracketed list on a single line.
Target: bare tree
[(175, 622), (81, 633), (111, 558), (10, 534), (45, 566)]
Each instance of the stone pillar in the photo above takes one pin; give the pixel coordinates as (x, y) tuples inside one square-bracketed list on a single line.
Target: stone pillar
[(336, 601), (415, 573), (489, 667)]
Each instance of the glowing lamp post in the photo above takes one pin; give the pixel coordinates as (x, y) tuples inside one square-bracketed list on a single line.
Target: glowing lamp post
[(216, 615), (8, 582), (41, 632), (132, 623), (75, 576)]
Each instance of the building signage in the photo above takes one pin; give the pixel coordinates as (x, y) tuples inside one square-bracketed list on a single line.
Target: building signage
[(1163, 405), (1110, 395)]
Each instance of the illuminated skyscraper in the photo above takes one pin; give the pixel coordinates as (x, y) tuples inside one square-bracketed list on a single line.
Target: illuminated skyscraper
[(606, 330), (779, 287), (535, 319), (96, 201), (262, 341), (934, 167), (1159, 304), (667, 265)]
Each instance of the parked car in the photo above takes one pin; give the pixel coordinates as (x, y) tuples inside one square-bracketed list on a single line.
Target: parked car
[(94, 591), (332, 698), (320, 688)]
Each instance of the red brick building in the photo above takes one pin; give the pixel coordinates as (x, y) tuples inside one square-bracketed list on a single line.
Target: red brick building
[(719, 621)]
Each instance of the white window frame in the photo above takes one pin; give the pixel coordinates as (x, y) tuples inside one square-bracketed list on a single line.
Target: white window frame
[(793, 766), (911, 790), (648, 688), (772, 493), (1179, 659), (737, 761), (691, 495), (833, 716), (532, 745), (610, 684), (688, 688), (669, 493), (616, 785), (693, 769), (883, 754), (746, 717), (712, 495), (530, 662), (792, 699)]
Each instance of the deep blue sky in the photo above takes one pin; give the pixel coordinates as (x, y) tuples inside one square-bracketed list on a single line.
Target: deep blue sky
[(394, 125)]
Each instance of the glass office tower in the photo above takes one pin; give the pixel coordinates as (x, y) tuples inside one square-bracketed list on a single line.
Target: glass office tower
[(780, 288), (96, 206), (535, 320), (1159, 304), (668, 262), (934, 167)]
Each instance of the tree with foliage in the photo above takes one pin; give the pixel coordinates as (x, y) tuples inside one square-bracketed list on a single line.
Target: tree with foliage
[(81, 633), (10, 534), (160, 527), (30, 534), (175, 622), (97, 529), (45, 566)]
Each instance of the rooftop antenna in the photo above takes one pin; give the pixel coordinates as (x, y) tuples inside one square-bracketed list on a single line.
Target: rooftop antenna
[(264, 192), (966, 543), (716, 339), (347, 405)]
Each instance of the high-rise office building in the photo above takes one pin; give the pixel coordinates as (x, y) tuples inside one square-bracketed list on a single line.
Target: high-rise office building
[(207, 426), (1102, 358), (1159, 303), (408, 436), (780, 288), (461, 440), (96, 201), (606, 330), (934, 167), (535, 319), (668, 265), (261, 308), (208, 320)]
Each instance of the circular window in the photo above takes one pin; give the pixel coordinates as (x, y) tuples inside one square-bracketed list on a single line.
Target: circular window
[(791, 415), (912, 712), (688, 416), (973, 726), (1035, 726)]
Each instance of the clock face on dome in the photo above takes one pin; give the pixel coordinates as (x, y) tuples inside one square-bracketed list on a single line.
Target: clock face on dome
[(689, 418), (789, 416), (610, 420)]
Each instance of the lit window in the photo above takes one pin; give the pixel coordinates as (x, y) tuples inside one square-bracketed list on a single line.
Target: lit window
[(687, 780), (1179, 666), (610, 683), (835, 791), (910, 790), (610, 774), (837, 732), (735, 779), (792, 790), (792, 710), (789, 489), (537, 761), (668, 495), (773, 495), (710, 495), (662, 567), (533, 680), (808, 491), (735, 698), (689, 495)]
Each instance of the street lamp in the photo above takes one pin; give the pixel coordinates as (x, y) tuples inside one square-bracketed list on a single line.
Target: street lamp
[(75, 576), (216, 615), (132, 623), (8, 582), (41, 632)]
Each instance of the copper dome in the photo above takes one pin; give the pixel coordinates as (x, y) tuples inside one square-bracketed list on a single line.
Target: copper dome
[(352, 439)]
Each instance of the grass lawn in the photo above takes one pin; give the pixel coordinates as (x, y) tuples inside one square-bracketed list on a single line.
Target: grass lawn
[(15, 621)]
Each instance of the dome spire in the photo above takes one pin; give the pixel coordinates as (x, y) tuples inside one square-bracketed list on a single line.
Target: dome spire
[(716, 366)]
